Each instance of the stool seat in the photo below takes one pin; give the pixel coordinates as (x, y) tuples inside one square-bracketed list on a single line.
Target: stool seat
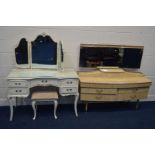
[(44, 95)]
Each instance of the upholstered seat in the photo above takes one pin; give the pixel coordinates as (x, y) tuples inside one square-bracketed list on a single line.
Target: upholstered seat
[(44, 96)]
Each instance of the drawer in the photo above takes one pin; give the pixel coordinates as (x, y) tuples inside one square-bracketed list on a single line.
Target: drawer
[(126, 97), (98, 91), (20, 83), (132, 94), (96, 97), (44, 82), (69, 83), (127, 91), (142, 93), (68, 90), (18, 91)]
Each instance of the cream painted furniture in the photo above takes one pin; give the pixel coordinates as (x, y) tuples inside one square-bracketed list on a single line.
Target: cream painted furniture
[(113, 85), (51, 96), (39, 63), (20, 81)]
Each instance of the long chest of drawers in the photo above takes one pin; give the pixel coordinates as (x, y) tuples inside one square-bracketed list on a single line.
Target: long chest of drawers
[(125, 86)]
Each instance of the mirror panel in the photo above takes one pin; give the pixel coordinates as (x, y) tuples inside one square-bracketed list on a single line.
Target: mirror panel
[(44, 51), (92, 56), (21, 52)]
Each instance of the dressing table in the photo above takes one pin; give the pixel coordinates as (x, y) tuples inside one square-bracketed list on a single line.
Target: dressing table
[(39, 64)]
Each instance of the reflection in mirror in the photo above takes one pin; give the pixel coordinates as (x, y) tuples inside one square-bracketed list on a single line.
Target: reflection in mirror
[(44, 51), (21, 52), (124, 57)]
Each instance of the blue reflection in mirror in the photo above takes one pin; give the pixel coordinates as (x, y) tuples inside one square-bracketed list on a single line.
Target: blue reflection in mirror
[(44, 51)]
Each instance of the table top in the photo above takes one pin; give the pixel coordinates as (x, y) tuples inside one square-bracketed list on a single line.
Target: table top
[(40, 73), (126, 77)]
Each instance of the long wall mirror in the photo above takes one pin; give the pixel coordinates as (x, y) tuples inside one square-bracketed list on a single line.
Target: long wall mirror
[(93, 55)]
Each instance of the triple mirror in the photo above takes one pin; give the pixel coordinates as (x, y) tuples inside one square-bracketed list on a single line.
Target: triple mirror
[(43, 52)]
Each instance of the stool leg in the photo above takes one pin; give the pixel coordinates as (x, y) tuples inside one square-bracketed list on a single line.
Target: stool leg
[(55, 108), (34, 109)]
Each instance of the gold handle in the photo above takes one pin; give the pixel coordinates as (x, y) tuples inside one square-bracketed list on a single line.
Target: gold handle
[(99, 97), (99, 90)]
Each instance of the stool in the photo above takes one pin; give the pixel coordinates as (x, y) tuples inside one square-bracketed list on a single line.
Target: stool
[(44, 96)]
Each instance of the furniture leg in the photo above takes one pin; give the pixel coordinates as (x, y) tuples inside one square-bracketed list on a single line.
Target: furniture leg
[(34, 109), (86, 106), (16, 100), (11, 108), (55, 108), (137, 104), (75, 104)]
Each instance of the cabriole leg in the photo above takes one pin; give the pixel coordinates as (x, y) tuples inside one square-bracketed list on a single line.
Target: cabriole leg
[(75, 104), (55, 108), (34, 109), (11, 108)]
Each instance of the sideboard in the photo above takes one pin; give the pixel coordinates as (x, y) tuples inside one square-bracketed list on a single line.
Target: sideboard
[(113, 86)]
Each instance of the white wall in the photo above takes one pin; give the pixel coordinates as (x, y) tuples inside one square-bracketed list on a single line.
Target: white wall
[(71, 38)]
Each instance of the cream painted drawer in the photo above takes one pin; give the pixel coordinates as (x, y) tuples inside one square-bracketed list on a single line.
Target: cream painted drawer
[(98, 91), (69, 83), (15, 83), (44, 82), (18, 91), (96, 97), (68, 90)]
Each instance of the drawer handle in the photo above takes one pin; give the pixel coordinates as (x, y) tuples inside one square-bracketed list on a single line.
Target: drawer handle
[(18, 91), (69, 82), (98, 97), (17, 83), (99, 90), (44, 81)]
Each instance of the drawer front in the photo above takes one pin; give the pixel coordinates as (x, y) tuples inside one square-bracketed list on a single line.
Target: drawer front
[(127, 91), (18, 91), (68, 90), (14, 83), (69, 83), (132, 94), (126, 97), (98, 91), (44, 82), (96, 97), (142, 93)]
